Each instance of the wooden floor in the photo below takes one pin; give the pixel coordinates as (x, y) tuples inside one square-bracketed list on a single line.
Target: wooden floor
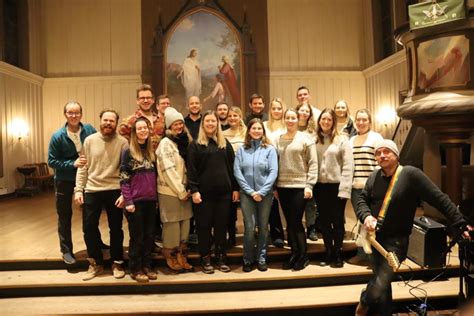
[(28, 229)]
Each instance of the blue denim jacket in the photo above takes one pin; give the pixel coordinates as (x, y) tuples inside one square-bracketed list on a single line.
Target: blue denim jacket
[(62, 152), (256, 168)]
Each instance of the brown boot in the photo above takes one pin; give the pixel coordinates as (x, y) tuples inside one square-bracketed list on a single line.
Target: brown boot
[(171, 259), (183, 258)]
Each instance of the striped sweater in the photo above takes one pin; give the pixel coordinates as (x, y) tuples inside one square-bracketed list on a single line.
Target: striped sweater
[(363, 148)]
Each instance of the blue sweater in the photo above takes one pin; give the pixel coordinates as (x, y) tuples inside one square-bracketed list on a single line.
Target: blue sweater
[(256, 168), (62, 152)]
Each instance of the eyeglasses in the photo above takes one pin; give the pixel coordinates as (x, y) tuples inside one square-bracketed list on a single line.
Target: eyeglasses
[(145, 98), (72, 114)]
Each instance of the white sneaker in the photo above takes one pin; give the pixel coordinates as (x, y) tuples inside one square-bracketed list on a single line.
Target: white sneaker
[(117, 270)]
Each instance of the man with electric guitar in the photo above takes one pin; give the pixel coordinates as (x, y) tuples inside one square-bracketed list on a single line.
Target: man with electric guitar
[(387, 208)]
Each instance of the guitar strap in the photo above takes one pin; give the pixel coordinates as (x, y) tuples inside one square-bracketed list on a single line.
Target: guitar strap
[(388, 196)]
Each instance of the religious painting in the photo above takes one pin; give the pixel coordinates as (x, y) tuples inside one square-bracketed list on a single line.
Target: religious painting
[(443, 62), (203, 58)]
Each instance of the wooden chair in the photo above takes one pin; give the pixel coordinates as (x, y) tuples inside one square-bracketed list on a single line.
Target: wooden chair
[(42, 177)]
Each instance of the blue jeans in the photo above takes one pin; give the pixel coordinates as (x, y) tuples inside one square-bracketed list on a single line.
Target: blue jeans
[(256, 214)]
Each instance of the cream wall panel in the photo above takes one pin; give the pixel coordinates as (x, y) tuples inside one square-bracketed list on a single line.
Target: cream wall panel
[(325, 87), (384, 82), (20, 98), (316, 35), (92, 37), (94, 94)]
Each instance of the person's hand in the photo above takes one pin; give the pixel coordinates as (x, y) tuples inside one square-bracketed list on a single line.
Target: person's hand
[(130, 208), (196, 196), (370, 223), (235, 196), (308, 193), (257, 197), (275, 194), (80, 161), (466, 234), (79, 198), (120, 202)]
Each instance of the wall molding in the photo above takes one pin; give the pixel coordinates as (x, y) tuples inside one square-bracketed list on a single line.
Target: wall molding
[(294, 74), (387, 63), (21, 74), (89, 79)]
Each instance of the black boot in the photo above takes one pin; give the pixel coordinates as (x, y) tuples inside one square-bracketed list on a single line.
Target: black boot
[(222, 263), (291, 262), (338, 262), (294, 254), (329, 257), (303, 259), (206, 265)]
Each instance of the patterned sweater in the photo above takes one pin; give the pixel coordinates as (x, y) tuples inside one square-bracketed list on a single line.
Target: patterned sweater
[(298, 162), (137, 179)]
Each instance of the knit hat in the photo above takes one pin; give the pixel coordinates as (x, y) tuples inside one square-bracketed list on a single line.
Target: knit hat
[(387, 143), (171, 116)]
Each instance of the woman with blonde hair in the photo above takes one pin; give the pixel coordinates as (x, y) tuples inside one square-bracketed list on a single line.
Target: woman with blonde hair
[(174, 202), (274, 127), (297, 174), (211, 181), (235, 134), (345, 125), (138, 187), (363, 149), (334, 185)]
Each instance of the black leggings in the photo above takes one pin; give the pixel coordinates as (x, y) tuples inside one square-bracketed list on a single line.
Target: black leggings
[(331, 214), (293, 204), (212, 213)]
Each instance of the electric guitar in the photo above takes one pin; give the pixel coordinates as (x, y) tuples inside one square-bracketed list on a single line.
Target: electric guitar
[(366, 240)]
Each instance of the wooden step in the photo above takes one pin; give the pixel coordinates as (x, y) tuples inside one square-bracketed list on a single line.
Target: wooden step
[(61, 281), (333, 300)]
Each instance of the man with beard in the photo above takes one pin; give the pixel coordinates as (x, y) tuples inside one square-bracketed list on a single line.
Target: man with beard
[(145, 103), (387, 207), (222, 110), (97, 187), (193, 120)]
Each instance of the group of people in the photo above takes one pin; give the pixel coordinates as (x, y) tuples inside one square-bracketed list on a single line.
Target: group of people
[(185, 174)]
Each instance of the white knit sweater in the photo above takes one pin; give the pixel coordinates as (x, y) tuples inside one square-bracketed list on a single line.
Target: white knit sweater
[(336, 164)]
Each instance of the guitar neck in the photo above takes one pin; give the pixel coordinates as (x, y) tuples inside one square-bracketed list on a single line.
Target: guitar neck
[(377, 245)]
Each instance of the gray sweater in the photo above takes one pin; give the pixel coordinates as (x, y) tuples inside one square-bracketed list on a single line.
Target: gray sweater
[(336, 164)]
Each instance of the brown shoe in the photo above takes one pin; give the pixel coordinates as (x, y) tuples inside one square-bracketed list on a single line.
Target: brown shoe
[(139, 277), (152, 275), (93, 271), (182, 257), (171, 259), (361, 310), (117, 270)]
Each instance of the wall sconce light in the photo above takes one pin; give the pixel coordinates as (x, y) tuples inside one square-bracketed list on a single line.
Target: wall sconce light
[(386, 115), (19, 129)]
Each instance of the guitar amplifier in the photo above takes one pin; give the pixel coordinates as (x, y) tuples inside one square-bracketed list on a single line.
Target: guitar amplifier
[(428, 242)]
